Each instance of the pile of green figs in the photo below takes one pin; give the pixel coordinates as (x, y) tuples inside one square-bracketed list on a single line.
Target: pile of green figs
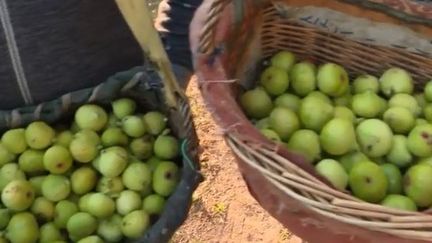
[(368, 135), (105, 177)]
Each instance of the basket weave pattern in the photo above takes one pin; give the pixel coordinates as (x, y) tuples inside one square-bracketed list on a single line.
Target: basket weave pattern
[(286, 172), (358, 58)]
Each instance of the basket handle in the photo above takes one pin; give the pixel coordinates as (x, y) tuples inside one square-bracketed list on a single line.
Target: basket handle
[(206, 42), (140, 21)]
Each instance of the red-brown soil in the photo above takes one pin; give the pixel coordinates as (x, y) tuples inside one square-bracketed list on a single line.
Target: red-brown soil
[(223, 210)]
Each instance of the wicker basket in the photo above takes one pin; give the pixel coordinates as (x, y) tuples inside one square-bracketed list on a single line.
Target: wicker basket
[(143, 84), (230, 38)]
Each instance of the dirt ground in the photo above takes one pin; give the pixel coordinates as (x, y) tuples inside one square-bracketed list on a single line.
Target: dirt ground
[(223, 210)]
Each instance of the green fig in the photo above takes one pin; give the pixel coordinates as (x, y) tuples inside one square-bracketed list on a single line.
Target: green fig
[(274, 80), (320, 95), (110, 186), (135, 224), (96, 162), (406, 101), (427, 112), (399, 119), (307, 143), (82, 150), (374, 137), (39, 135), (133, 126), (396, 80), (91, 116), (394, 178), (270, 134), (314, 113), (283, 59), (348, 160), (166, 147), (10, 172), (344, 113), (43, 209), (154, 204), (417, 183), (338, 136), (89, 135), (100, 205), (64, 138), (399, 202), (303, 78), (14, 140), (5, 216), (36, 183), (142, 148), (91, 239), (63, 211), (365, 82), (284, 122), (81, 225), (83, 180), (114, 136), (155, 122), (256, 103), (18, 195), (333, 172), (128, 201), (420, 140), (31, 161), (332, 79), (420, 121), (137, 176), (344, 100), (57, 159), (83, 202), (23, 228), (165, 178), (368, 182), (50, 233), (428, 91), (123, 107), (110, 228), (113, 161), (289, 101), (56, 187), (5, 155), (399, 154), (367, 104)]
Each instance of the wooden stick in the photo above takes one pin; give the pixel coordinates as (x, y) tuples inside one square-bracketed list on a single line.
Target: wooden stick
[(140, 21)]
